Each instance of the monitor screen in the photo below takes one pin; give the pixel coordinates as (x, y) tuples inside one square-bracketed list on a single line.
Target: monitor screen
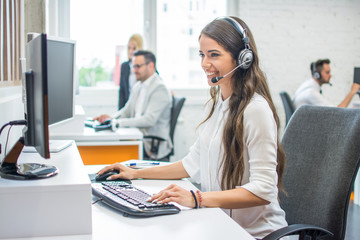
[(60, 64)]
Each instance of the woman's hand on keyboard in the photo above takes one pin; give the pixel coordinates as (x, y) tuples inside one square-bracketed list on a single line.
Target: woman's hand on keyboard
[(102, 118), (174, 193)]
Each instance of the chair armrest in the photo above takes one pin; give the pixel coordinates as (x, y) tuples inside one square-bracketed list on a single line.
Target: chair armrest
[(155, 143), (298, 229), (154, 137)]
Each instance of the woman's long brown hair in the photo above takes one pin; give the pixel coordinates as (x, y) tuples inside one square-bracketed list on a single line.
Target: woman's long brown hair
[(245, 83)]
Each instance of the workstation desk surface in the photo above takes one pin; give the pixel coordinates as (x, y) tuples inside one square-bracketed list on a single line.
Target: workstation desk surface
[(108, 224), (89, 134), (204, 223)]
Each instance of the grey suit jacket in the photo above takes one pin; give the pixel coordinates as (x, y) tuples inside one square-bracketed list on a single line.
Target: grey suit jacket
[(155, 116)]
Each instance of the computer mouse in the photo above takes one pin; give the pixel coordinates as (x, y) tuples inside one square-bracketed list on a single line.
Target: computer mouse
[(100, 178), (105, 175)]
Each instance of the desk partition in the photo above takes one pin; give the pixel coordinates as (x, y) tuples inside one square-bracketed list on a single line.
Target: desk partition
[(105, 147)]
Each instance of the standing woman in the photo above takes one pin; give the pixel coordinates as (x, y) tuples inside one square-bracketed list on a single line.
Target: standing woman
[(237, 157), (127, 77)]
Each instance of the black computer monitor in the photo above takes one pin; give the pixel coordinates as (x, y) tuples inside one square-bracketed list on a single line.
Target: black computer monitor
[(36, 131), (357, 75), (61, 84)]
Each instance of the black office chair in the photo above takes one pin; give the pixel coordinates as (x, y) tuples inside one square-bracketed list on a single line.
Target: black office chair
[(322, 147), (288, 105), (177, 104)]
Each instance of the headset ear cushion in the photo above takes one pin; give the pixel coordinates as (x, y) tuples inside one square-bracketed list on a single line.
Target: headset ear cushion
[(246, 57), (316, 75)]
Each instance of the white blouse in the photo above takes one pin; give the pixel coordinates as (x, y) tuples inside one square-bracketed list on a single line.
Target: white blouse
[(260, 176)]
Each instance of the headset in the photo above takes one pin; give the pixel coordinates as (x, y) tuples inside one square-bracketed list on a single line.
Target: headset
[(314, 71), (246, 56)]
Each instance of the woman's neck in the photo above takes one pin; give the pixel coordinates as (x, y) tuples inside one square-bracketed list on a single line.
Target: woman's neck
[(226, 90)]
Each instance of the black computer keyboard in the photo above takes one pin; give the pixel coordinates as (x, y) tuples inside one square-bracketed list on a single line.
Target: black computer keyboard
[(98, 126), (130, 200)]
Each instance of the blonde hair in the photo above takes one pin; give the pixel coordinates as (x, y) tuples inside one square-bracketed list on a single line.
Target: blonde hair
[(137, 38)]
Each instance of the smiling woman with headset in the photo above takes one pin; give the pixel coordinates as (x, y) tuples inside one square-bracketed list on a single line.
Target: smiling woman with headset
[(236, 157)]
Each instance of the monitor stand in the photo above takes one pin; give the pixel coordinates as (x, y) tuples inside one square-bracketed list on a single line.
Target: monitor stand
[(55, 146), (11, 170)]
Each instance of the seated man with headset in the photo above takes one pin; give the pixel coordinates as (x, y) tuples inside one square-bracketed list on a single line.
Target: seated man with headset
[(309, 93)]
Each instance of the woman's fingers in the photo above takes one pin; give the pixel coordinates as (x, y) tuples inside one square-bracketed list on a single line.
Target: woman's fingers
[(106, 169), (174, 193), (166, 196), (160, 195)]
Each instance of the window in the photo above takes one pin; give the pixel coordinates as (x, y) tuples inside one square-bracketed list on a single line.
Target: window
[(179, 24), (171, 31), (101, 30), (10, 42)]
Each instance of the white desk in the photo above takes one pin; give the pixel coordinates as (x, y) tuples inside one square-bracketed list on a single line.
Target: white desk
[(107, 223), (207, 223), (204, 223), (105, 147), (199, 224), (59, 205)]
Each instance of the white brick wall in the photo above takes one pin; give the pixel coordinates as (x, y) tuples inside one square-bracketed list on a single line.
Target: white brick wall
[(291, 34)]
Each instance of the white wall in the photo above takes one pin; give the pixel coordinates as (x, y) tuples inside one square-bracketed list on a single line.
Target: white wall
[(11, 108), (291, 34)]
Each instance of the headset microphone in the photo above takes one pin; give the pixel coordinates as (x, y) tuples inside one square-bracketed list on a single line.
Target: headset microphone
[(216, 79)]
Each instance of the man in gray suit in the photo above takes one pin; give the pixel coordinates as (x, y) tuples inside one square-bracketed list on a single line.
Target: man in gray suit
[(149, 104)]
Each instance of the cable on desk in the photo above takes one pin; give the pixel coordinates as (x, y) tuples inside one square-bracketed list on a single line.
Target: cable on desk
[(11, 123), (100, 199)]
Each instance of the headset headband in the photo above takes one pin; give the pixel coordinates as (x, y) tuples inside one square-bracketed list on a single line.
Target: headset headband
[(246, 56), (240, 29)]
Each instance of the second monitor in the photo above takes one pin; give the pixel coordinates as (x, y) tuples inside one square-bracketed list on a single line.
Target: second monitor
[(61, 84)]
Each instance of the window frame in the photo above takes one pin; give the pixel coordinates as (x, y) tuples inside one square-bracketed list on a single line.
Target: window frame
[(11, 49), (58, 19)]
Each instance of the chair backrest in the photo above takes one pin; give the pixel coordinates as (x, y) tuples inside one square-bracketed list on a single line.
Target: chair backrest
[(177, 104), (288, 105), (322, 147)]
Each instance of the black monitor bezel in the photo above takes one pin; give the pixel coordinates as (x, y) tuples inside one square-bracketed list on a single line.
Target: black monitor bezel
[(36, 133), (357, 75)]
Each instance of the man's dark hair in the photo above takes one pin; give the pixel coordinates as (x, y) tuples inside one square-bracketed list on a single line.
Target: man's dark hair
[(319, 64), (149, 56)]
